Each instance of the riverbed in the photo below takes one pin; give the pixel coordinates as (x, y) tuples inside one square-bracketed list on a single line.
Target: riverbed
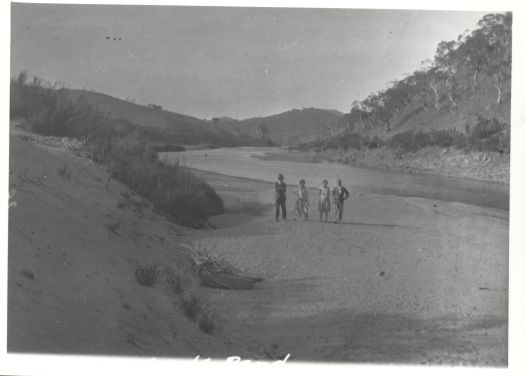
[(249, 162), (416, 273)]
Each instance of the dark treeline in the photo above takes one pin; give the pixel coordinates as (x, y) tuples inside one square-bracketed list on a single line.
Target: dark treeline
[(490, 135), (127, 150)]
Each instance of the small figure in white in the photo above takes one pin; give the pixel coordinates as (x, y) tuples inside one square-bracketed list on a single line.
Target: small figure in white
[(302, 205)]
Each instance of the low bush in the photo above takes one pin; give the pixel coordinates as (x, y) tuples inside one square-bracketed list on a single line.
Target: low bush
[(485, 135), (488, 135), (191, 306), (347, 141), (375, 143), (147, 275), (173, 189), (207, 321), (448, 138), (405, 141), (411, 141), (177, 281), (168, 148)]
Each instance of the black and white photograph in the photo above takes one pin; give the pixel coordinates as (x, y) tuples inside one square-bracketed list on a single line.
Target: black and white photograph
[(260, 184)]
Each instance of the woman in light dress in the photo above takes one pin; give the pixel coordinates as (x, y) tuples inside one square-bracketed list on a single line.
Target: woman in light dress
[(324, 201), (302, 205)]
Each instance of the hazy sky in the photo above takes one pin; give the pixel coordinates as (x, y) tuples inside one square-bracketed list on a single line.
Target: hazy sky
[(238, 62)]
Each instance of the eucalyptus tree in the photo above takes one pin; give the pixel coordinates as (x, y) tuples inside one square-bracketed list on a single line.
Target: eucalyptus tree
[(447, 65), (498, 30)]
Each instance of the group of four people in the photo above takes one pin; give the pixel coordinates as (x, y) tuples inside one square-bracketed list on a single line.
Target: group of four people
[(302, 205)]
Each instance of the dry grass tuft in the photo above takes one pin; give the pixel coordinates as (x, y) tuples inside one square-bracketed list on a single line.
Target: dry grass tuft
[(147, 275)]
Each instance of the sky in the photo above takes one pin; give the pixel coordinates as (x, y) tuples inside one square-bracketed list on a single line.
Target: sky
[(224, 61)]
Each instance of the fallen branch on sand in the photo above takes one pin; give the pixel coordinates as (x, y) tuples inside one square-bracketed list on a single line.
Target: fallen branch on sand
[(217, 274)]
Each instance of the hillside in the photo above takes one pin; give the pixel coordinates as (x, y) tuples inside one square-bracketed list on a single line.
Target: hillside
[(168, 125), (455, 108), (288, 128), (481, 103), (75, 240)]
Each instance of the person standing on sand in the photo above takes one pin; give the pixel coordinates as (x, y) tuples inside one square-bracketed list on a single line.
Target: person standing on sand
[(280, 197), (324, 201), (340, 194), (302, 206)]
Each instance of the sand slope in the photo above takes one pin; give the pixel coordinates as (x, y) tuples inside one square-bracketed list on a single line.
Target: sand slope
[(73, 247)]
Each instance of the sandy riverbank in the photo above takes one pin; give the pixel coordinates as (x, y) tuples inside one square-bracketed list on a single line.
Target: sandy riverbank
[(402, 280)]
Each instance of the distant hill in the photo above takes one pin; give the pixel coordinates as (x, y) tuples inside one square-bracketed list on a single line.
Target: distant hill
[(173, 126), (287, 128), (290, 127)]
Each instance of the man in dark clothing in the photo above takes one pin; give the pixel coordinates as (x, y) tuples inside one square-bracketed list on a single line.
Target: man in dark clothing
[(340, 194), (280, 197)]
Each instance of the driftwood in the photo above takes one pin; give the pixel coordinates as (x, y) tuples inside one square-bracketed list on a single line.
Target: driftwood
[(215, 274), (228, 281)]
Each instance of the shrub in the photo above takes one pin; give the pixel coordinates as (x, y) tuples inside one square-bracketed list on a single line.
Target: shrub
[(147, 275), (173, 189), (207, 321), (484, 135), (347, 141), (410, 141), (177, 281), (168, 148), (191, 306), (496, 142), (404, 141), (488, 135), (376, 142), (484, 128), (448, 137)]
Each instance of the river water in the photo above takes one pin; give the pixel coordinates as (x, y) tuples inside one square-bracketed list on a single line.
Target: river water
[(246, 162)]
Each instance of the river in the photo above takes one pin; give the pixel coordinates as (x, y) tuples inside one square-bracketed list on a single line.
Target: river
[(247, 162)]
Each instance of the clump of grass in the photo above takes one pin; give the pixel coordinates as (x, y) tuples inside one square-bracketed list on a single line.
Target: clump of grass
[(177, 281), (64, 172), (147, 275), (191, 306), (207, 321), (137, 205)]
